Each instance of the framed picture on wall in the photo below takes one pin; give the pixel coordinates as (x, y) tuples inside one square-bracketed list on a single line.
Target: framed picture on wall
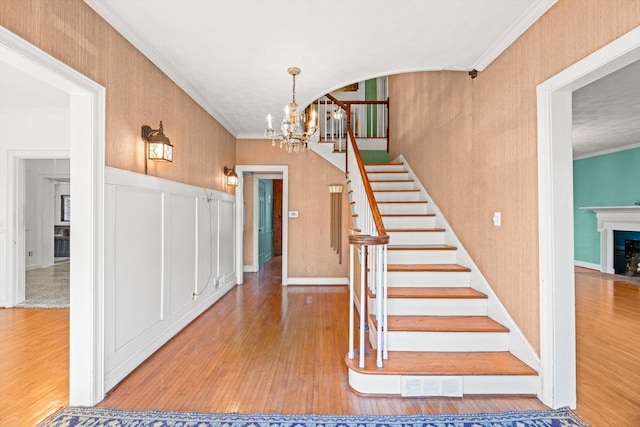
[(65, 208)]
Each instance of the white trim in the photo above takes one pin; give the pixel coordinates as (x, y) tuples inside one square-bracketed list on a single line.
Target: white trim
[(589, 265), (322, 281), (249, 269), (536, 10), (555, 213), (607, 151), (268, 169), (87, 140)]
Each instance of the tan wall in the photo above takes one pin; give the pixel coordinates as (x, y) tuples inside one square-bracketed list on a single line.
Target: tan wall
[(473, 143), (247, 242), (309, 235), (137, 93)]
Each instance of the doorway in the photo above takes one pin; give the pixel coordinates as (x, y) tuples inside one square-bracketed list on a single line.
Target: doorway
[(86, 121), (555, 212), (249, 177), (269, 219), (46, 197)]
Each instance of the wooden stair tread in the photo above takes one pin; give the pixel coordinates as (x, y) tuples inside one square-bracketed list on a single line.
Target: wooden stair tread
[(453, 293), (442, 324), (402, 201), (421, 247), (368, 172), (396, 191), (444, 363), (384, 164), (409, 215), (427, 268), (391, 180), (415, 230)]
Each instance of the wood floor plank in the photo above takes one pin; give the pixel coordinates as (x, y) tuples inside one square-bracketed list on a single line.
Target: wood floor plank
[(235, 357)]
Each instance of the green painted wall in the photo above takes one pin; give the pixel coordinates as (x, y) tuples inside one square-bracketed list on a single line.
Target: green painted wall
[(374, 156), (371, 94), (607, 180)]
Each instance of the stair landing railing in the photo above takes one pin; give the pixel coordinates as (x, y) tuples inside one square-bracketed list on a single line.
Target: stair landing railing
[(365, 119), (371, 240)]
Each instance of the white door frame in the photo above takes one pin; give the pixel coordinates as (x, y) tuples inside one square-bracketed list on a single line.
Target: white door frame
[(555, 211), (265, 172), (87, 130)]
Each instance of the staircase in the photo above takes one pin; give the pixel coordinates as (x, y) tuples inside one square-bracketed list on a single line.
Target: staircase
[(441, 340)]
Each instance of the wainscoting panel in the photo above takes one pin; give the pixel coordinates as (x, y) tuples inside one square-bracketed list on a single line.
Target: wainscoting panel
[(207, 244), (162, 246), (182, 277), (138, 262), (227, 240)]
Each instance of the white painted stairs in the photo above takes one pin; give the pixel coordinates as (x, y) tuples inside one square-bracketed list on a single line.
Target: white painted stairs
[(441, 340)]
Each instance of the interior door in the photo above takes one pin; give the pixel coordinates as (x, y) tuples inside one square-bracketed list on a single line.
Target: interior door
[(277, 217), (265, 221)]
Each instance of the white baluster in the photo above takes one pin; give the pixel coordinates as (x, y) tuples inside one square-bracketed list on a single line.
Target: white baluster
[(351, 354), (363, 298)]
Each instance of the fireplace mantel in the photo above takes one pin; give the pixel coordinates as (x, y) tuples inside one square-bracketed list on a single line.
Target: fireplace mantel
[(610, 219)]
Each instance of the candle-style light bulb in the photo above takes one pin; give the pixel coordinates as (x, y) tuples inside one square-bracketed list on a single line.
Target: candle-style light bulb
[(269, 121)]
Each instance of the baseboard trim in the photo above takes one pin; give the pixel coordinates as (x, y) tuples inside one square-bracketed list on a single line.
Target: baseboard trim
[(588, 265), (249, 269), (323, 281)]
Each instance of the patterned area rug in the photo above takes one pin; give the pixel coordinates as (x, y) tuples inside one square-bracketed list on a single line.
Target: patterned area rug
[(94, 417)]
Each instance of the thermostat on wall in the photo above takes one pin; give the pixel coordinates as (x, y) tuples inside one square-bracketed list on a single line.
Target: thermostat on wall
[(293, 214)]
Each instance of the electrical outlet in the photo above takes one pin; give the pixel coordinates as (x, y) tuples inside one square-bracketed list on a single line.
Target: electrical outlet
[(309, 269), (497, 219)]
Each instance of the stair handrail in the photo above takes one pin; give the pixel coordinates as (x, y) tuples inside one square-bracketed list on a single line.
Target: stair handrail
[(372, 240)]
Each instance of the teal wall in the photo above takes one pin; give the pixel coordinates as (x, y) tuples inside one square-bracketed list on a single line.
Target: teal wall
[(607, 180)]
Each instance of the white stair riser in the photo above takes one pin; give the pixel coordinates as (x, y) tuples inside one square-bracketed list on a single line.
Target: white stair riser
[(387, 176), (436, 306), (393, 222), (416, 238), (421, 257), (400, 185), (446, 341), (471, 384), (403, 208), (383, 168), (408, 196), (417, 279)]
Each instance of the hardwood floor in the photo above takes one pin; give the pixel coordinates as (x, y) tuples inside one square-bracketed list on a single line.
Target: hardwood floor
[(34, 364), (264, 348)]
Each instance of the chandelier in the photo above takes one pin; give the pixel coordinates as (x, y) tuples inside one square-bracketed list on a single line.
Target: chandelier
[(298, 129)]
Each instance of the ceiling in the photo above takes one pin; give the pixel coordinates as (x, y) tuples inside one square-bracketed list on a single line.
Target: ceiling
[(231, 56), (606, 113)]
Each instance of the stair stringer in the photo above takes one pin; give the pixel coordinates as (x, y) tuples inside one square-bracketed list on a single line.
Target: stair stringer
[(518, 344)]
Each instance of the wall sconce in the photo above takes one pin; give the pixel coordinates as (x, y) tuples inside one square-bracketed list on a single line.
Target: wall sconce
[(159, 146), (232, 176)]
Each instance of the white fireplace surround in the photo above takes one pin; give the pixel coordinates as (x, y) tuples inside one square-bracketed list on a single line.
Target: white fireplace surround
[(610, 219)]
